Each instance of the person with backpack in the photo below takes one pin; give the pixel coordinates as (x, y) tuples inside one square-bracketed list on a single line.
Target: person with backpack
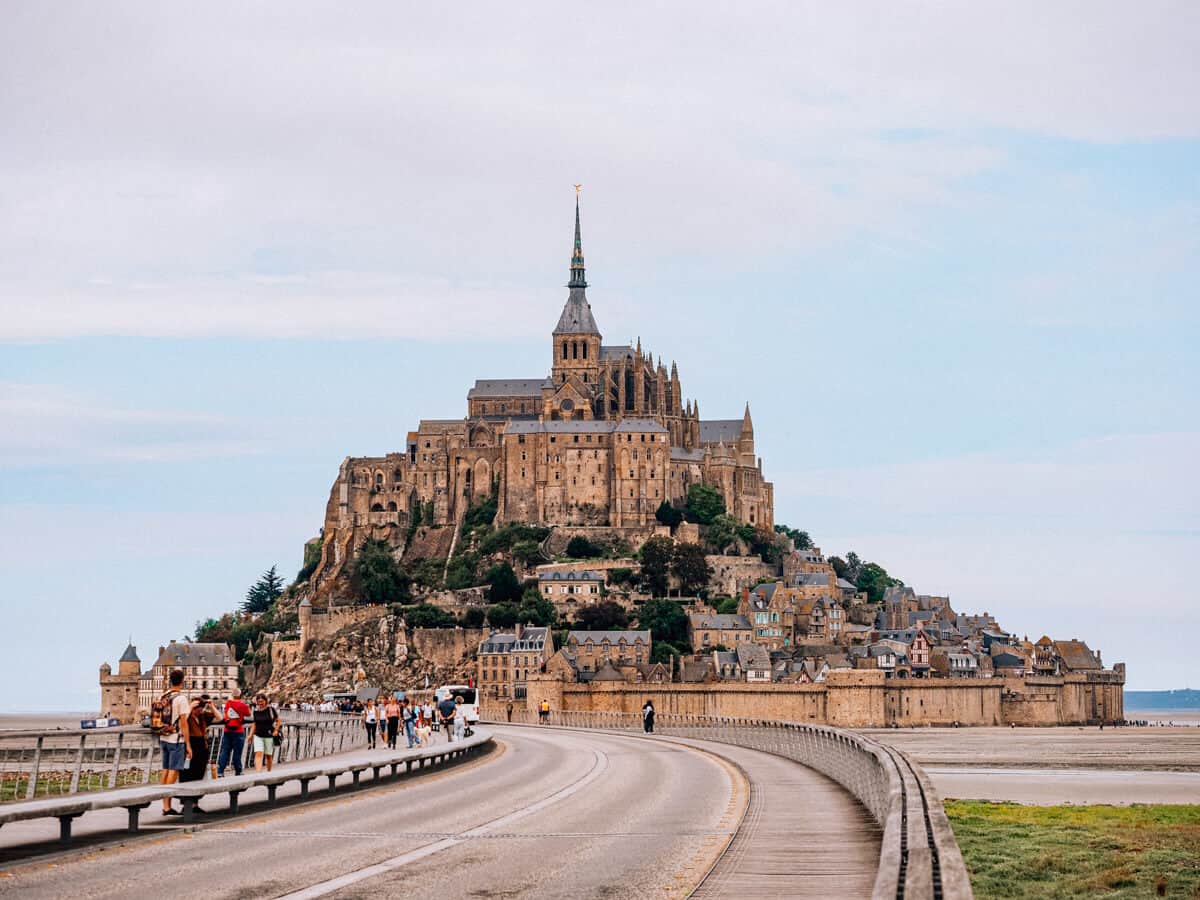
[(264, 728), (447, 710), (233, 738), (169, 720), (648, 717)]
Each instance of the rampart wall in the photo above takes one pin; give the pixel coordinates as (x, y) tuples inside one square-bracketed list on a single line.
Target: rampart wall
[(860, 699)]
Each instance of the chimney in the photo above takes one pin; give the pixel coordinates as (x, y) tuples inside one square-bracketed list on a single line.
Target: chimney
[(520, 630)]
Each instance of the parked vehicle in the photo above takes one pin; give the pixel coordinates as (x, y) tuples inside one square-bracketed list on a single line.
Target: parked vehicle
[(470, 701)]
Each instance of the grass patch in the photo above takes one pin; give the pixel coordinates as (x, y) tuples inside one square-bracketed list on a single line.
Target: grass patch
[(1015, 851)]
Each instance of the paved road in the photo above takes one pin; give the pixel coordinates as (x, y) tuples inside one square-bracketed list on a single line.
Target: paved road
[(554, 814)]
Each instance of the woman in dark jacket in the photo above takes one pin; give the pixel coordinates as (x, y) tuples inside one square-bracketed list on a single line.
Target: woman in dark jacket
[(648, 717), (202, 715)]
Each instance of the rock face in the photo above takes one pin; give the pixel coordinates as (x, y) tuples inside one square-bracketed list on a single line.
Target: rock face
[(381, 653)]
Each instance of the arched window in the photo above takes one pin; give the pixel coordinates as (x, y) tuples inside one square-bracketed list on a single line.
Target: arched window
[(392, 507), (585, 352), (378, 479), (564, 349), (574, 349)]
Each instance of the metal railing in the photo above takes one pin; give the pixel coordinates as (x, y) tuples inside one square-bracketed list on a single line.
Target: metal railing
[(67, 761), (919, 857)]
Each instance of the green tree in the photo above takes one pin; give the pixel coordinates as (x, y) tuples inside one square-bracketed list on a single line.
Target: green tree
[(528, 553), (662, 652), (377, 577), (502, 615), (668, 514), (602, 616), (472, 618), (480, 516), (839, 567), (690, 567), (799, 538), (536, 609), (462, 572), (656, 564), (666, 620), (503, 584), (874, 579), (580, 547), (704, 503), (425, 615), (722, 531), (727, 606), (264, 592)]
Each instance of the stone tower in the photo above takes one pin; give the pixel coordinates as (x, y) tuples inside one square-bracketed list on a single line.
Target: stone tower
[(119, 693), (576, 338)]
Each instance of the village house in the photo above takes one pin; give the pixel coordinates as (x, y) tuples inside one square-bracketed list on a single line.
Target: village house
[(591, 649), (506, 660), (706, 630), (207, 669), (568, 590)]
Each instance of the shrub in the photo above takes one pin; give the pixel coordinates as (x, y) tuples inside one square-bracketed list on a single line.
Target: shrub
[(472, 618), (580, 547)]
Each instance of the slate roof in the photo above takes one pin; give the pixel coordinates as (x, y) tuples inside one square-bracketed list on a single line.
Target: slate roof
[(440, 426), (563, 575), (613, 351), (846, 585), (498, 643), (532, 639), (613, 637), (714, 430), (607, 673), (130, 655), (811, 579), (753, 656), (187, 654), (683, 455), (508, 387), (635, 424), (719, 621), (1076, 655), (764, 592), (554, 426), (576, 316)]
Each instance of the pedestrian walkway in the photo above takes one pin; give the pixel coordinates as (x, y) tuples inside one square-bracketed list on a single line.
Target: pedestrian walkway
[(803, 835)]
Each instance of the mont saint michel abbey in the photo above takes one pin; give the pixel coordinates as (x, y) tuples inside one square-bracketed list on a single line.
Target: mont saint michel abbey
[(601, 441)]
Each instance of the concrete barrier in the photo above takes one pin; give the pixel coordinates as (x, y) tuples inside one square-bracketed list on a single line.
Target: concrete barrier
[(919, 857)]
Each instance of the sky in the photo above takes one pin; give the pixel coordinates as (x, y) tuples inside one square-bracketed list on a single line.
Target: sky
[(948, 253)]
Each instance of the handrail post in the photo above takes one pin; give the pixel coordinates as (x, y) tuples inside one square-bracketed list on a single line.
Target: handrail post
[(78, 765), (116, 766), (31, 790)]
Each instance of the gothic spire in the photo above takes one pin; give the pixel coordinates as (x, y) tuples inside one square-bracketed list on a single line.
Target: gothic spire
[(578, 276)]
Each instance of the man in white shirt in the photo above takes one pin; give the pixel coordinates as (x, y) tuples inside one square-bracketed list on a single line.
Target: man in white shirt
[(176, 748)]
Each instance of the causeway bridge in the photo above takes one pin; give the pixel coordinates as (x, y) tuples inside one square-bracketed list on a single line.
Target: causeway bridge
[(584, 805)]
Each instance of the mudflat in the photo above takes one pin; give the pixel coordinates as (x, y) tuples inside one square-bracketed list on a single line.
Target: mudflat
[(1069, 747)]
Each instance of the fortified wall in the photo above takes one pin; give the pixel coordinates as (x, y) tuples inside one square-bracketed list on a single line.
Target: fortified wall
[(861, 699)]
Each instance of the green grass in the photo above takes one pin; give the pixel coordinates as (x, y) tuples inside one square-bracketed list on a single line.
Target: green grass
[(1015, 851)]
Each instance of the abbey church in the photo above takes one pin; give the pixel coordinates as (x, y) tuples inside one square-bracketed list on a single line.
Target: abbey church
[(602, 441)]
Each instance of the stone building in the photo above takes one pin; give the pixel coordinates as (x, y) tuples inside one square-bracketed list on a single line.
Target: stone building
[(119, 693), (505, 662), (590, 650), (207, 669), (602, 440)]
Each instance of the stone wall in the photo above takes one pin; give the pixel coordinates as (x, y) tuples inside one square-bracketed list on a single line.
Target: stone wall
[(316, 624), (732, 573), (446, 646), (859, 699)]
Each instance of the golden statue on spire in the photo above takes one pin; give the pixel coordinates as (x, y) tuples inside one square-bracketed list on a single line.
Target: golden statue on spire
[(578, 188)]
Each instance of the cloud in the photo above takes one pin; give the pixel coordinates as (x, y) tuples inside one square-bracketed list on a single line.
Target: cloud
[(153, 176), (46, 425)]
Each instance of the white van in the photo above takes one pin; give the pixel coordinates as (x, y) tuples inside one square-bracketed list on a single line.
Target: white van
[(469, 699)]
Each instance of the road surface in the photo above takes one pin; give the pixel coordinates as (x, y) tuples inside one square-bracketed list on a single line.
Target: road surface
[(550, 814)]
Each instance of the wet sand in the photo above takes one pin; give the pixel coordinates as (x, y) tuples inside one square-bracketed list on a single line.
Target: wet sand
[(1050, 766)]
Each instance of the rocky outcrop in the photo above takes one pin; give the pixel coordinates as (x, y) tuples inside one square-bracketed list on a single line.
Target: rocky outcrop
[(383, 653)]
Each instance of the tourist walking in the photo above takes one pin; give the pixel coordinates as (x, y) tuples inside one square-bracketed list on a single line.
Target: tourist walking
[(648, 717), (391, 712), (460, 719), (409, 719), (264, 729), (200, 716), (544, 712), (427, 712), (370, 719), (169, 719), (508, 709), (233, 737), (447, 710)]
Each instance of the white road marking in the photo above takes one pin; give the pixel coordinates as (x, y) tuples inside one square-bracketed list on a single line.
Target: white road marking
[(324, 888)]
